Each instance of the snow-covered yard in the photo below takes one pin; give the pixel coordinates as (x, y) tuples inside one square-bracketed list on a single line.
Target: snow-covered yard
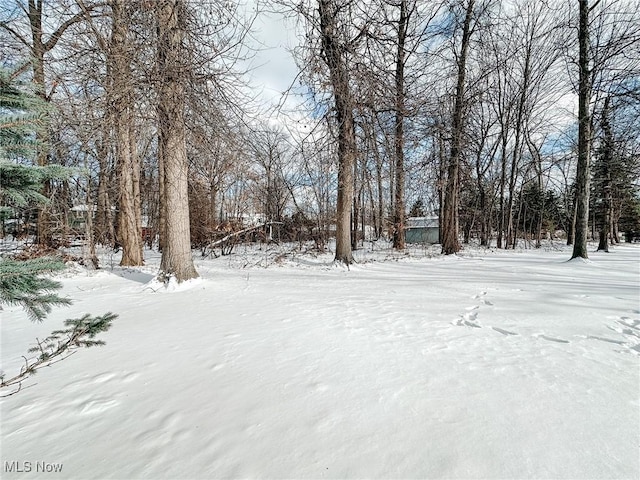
[(484, 365)]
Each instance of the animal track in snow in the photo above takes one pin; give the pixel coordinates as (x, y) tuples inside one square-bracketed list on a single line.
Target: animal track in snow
[(482, 300), (632, 326), (629, 328), (468, 320), (504, 332), (550, 339), (604, 339)]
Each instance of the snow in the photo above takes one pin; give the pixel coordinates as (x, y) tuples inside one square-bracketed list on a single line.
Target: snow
[(488, 364)]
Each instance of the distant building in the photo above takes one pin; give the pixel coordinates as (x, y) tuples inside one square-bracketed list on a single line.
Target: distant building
[(78, 216), (424, 230)]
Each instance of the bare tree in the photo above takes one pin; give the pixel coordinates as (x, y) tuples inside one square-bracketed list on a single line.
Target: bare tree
[(605, 180), (607, 59), (172, 71), (449, 222), (334, 51), (121, 94), (584, 136), (399, 208), (269, 148)]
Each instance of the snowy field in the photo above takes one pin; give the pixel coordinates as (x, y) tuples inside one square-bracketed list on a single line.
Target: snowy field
[(488, 365)]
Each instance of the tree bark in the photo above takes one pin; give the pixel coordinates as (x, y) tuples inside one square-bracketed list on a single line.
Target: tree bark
[(176, 259), (399, 208), (162, 197), (333, 55), (128, 163), (503, 182), (450, 241), (606, 222), (584, 137), (512, 230), (44, 234), (103, 229)]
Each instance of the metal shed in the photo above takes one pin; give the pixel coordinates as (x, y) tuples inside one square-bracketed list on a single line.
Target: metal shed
[(425, 230)]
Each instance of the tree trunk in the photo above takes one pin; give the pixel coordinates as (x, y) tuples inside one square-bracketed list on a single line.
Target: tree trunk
[(162, 197), (606, 223), (584, 137), (89, 245), (127, 160), (176, 255), (333, 54), (213, 206), (355, 217), (442, 175), (512, 231), (103, 228), (450, 241), (482, 199), (503, 182), (379, 188), (572, 223), (399, 209), (44, 235)]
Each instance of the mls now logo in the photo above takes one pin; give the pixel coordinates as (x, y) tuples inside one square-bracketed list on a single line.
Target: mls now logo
[(26, 467)]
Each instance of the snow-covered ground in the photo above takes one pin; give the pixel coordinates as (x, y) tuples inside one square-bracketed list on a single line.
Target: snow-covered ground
[(489, 364)]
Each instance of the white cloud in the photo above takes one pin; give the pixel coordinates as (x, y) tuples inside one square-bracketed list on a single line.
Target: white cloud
[(273, 68)]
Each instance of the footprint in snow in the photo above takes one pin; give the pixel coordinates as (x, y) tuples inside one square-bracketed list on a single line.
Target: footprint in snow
[(482, 300), (550, 339), (504, 332), (606, 340), (626, 326), (630, 322), (467, 320), (629, 328)]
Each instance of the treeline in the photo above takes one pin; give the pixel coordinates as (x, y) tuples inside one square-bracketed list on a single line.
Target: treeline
[(507, 120)]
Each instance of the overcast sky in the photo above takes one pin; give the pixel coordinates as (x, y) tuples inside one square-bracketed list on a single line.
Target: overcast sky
[(273, 67)]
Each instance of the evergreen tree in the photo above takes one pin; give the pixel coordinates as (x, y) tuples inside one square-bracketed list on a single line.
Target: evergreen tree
[(22, 113), (21, 282), (615, 174)]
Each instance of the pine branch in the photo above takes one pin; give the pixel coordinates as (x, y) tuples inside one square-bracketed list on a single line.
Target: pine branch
[(20, 184), (20, 284), (60, 345)]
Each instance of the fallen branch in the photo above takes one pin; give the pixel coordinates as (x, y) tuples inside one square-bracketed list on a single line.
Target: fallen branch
[(221, 242)]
